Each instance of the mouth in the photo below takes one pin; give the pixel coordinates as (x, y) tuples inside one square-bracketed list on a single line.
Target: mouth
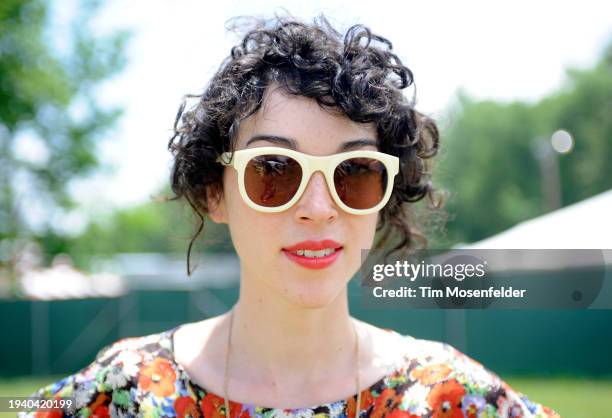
[(314, 254)]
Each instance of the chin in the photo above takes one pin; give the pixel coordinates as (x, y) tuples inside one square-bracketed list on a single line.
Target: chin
[(313, 297)]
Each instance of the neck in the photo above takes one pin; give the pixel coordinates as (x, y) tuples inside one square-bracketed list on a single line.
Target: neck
[(272, 336)]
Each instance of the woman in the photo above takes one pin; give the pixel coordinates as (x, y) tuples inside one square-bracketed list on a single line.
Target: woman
[(305, 146)]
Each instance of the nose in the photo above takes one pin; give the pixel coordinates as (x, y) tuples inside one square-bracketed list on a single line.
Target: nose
[(316, 203)]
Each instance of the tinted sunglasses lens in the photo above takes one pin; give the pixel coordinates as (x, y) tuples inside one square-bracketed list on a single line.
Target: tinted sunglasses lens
[(272, 180), (361, 182)]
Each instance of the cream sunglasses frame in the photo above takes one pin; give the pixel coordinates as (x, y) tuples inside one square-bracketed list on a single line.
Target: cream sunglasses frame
[(310, 164)]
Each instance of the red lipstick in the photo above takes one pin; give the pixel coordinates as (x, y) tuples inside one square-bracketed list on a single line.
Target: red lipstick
[(314, 245), (310, 245)]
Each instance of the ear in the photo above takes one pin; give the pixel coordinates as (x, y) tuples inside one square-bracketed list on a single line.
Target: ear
[(217, 211)]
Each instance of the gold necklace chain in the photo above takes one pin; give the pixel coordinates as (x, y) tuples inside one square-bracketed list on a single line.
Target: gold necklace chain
[(225, 376)]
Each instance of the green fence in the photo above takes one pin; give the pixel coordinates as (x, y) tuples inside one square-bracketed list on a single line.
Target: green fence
[(60, 337)]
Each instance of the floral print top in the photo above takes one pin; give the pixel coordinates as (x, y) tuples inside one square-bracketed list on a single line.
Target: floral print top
[(140, 377)]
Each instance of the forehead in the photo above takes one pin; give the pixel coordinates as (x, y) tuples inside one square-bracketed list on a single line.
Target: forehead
[(303, 120)]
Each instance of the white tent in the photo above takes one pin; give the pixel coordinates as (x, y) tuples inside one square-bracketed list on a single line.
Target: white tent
[(583, 225), (583, 230), (63, 281)]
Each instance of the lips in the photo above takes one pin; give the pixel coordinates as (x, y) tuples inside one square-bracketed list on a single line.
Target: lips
[(314, 254), (314, 245)]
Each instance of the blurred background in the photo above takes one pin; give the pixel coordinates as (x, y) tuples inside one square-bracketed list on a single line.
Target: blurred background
[(90, 253)]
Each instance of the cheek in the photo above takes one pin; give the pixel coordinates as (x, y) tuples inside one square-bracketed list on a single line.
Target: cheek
[(365, 228), (361, 237), (249, 229), (243, 229), (236, 208)]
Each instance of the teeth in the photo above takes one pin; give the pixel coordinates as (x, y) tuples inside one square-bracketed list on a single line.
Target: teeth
[(315, 254)]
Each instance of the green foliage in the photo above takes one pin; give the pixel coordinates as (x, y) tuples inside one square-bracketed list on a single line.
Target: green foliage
[(47, 93), (155, 226), (585, 110), (487, 166), (488, 161)]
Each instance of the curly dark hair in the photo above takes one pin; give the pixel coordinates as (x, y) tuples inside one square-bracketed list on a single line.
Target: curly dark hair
[(357, 75)]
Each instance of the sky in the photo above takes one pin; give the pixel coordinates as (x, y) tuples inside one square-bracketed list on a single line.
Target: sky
[(511, 50)]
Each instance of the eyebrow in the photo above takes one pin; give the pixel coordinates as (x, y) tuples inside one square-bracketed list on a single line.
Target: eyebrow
[(291, 143)]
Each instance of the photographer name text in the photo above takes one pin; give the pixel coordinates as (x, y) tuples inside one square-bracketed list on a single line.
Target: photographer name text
[(448, 292)]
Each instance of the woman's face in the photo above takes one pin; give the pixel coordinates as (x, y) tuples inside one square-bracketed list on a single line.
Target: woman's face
[(262, 239)]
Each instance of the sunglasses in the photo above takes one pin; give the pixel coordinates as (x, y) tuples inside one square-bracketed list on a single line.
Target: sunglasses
[(272, 179)]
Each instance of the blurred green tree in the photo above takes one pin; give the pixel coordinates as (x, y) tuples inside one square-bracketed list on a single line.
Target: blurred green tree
[(585, 110), (154, 226), (49, 119), (489, 160)]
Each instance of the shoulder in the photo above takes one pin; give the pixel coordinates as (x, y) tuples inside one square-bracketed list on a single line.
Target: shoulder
[(435, 378), (119, 380)]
